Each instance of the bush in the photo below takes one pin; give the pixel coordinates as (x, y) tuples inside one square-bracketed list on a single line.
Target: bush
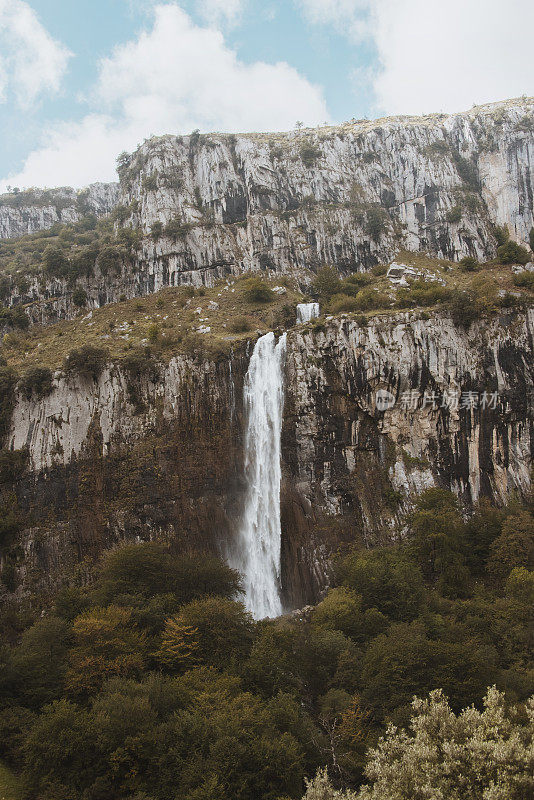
[(342, 303), (469, 264), (326, 284), (467, 306), (422, 294), (36, 381), (531, 239), (525, 280), (256, 291), (454, 216), (88, 361), (79, 297), (376, 222), (368, 299), (512, 253), (241, 325), (309, 154)]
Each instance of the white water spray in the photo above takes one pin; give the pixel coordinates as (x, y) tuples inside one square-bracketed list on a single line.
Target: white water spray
[(307, 312), (260, 535)]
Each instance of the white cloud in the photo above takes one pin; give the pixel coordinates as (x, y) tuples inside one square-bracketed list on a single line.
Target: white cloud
[(348, 16), (435, 55), (174, 78), (221, 12), (32, 62), (438, 56)]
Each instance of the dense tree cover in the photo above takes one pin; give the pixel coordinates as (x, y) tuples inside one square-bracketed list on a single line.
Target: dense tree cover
[(486, 755), (154, 683)]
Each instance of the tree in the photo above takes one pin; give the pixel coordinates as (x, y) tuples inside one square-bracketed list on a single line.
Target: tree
[(106, 644), (79, 297), (38, 664), (56, 262), (178, 647), (512, 253), (405, 660), (484, 755), (147, 569), (438, 540), (514, 547), (326, 284), (88, 361), (224, 630), (342, 610), (386, 579)]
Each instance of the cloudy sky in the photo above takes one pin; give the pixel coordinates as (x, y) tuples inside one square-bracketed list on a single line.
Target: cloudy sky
[(82, 80)]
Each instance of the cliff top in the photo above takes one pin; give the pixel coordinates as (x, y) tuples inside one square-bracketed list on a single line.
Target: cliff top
[(489, 111)]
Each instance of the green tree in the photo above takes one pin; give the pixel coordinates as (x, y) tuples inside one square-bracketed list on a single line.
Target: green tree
[(386, 579), (405, 660), (438, 540), (480, 755), (326, 284), (514, 547), (38, 664), (512, 253), (224, 630), (342, 610), (106, 644)]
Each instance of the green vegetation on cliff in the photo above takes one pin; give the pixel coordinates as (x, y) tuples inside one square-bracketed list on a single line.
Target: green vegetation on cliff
[(153, 681)]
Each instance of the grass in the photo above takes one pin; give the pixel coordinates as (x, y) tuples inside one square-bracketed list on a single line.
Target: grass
[(176, 320), (168, 322), (10, 788)]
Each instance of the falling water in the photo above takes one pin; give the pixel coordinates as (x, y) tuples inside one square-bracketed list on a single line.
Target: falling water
[(260, 533), (307, 311)]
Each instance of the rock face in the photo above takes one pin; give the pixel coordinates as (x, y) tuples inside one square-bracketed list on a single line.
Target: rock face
[(350, 196), (458, 414), (118, 459), (38, 209), (213, 205)]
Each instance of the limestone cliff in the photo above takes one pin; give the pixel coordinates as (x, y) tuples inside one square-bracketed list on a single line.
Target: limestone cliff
[(349, 196), (22, 213), (161, 456), (206, 206)]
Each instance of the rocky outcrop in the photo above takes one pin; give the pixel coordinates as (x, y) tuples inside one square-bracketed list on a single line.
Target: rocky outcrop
[(210, 206), (34, 210), (160, 456), (376, 414), (351, 195)]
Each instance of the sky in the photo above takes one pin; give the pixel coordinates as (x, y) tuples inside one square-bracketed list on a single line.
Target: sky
[(83, 80)]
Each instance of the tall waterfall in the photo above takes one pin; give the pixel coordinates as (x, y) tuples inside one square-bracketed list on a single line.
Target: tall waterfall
[(258, 557)]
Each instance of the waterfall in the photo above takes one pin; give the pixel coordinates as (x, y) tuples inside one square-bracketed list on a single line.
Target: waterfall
[(307, 311), (259, 540)]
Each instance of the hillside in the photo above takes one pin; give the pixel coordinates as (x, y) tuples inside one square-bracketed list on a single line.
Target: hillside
[(266, 431)]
